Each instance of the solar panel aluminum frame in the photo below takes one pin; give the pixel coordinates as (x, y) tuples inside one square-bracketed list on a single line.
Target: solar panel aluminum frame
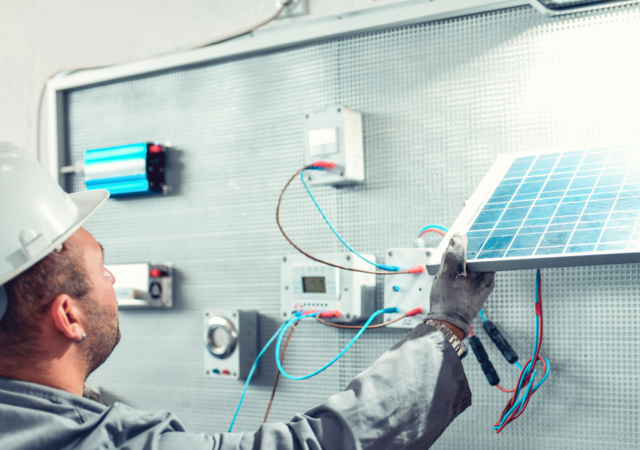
[(479, 199)]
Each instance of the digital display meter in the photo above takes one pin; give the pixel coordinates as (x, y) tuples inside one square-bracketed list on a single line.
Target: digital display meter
[(311, 285), (314, 285)]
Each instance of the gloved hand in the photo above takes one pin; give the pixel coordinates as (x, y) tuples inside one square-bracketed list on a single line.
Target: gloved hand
[(457, 296)]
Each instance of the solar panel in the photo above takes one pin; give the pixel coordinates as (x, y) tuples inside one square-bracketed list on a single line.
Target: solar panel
[(553, 209)]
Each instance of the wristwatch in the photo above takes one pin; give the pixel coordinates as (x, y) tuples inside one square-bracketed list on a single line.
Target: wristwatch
[(460, 349)]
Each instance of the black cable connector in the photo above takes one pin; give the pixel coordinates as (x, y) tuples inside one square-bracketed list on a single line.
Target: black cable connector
[(483, 359), (500, 342)]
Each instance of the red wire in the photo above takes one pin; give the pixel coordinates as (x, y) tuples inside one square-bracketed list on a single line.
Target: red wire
[(470, 331), (433, 230), (536, 357)]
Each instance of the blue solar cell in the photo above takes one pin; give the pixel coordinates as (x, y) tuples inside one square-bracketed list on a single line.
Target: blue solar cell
[(498, 243), (585, 236), (523, 252), (625, 215), (627, 204), (504, 232), (491, 254), (570, 209), (555, 239), (509, 224), (475, 244), (562, 227), (610, 247), (515, 213), (549, 250), (587, 225), (570, 202), (539, 212), (536, 222), (616, 234), (581, 248), (492, 215), (599, 206), (565, 219), (526, 241)]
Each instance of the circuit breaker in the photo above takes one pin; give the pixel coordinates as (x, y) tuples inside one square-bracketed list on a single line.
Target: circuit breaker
[(407, 291), (230, 343), (143, 285), (334, 134), (309, 285)]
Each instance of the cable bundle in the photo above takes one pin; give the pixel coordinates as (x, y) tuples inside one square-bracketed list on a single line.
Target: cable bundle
[(515, 407)]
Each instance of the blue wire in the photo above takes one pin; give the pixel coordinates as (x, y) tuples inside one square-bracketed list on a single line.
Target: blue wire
[(255, 365), (439, 227), (253, 369), (482, 316), (529, 390), (379, 266), (518, 365), (355, 338)]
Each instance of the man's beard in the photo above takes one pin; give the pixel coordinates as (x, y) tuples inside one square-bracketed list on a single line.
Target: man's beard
[(102, 337)]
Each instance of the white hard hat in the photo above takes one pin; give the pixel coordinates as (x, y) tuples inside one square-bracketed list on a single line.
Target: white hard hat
[(37, 215)]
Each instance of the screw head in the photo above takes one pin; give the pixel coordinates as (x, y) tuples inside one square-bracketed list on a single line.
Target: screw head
[(348, 316), (348, 258), (284, 314), (207, 372), (233, 315), (390, 253), (428, 254), (346, 289), (286, 288), (207, 314)]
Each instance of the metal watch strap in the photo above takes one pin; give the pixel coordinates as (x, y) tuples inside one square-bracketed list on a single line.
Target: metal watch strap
[(460, 349)]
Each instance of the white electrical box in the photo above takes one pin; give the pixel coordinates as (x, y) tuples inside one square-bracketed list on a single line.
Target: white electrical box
[(407, 291), (143, 285), (334, 134), (310, 285), (230, 343)]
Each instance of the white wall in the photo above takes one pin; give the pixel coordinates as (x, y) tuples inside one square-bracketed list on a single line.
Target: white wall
[(39, 37)]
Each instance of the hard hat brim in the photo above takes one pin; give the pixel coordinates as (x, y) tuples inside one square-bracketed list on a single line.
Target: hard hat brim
[(87, 202)]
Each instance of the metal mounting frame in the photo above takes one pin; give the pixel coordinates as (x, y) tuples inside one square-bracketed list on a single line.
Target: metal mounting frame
[(572, 9), (294, 33)]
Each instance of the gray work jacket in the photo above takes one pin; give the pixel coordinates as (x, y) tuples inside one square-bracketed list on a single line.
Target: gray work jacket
[(405, 400)]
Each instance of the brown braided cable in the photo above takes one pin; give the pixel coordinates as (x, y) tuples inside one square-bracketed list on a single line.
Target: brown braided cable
[(275, 384), (307, 254)]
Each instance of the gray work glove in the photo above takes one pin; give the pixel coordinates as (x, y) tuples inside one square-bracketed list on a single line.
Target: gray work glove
[(457, 296)]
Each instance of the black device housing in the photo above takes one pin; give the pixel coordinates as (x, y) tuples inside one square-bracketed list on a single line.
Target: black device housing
[(483, 359), (502, 344)]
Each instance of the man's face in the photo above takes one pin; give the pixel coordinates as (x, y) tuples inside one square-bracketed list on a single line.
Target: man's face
[(101, 308)]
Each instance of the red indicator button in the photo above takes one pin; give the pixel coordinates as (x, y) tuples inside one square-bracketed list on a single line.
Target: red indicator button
[(225, 371), (155, 273), (155, 148)]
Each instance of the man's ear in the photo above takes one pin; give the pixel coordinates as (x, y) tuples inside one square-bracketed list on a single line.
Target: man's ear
[(65, 317)]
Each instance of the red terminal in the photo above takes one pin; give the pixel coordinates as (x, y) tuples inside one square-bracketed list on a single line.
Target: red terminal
[(416, 269), (414, 312), (154, 148), (329, 314), (225, 372), (155, 273), (324, 165)]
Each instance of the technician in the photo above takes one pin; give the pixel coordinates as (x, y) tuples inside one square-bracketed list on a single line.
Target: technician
[(60, 323)]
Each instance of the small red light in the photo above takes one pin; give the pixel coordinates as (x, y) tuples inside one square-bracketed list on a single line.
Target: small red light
[(155, 148), (155, 273), (225, 372)]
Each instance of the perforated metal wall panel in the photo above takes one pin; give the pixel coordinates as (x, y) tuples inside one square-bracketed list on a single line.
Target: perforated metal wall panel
[(439, 101)]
